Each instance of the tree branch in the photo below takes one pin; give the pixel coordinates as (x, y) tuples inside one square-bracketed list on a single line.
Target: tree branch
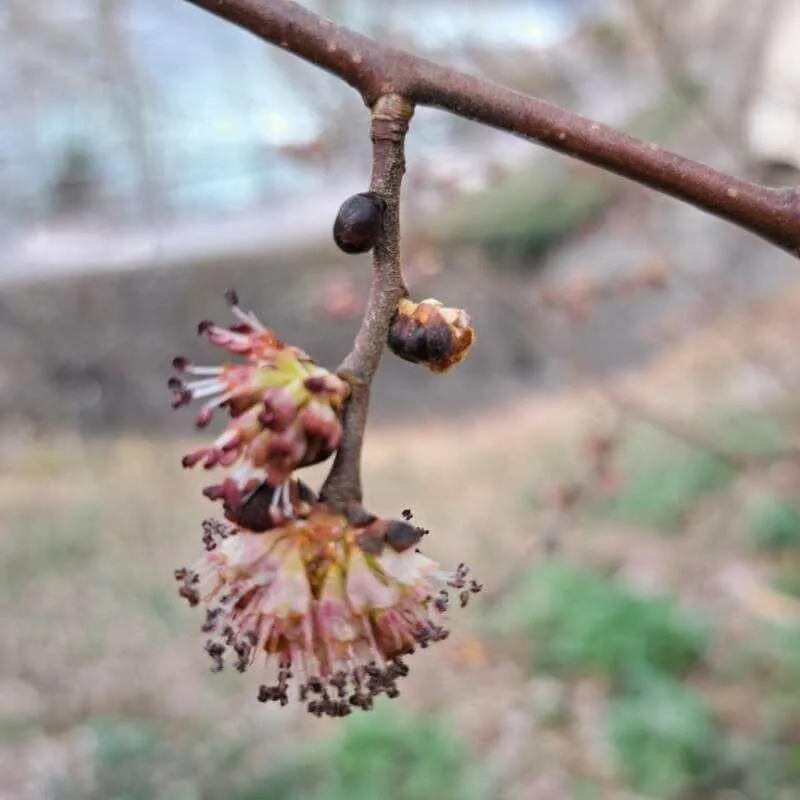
[(390, 118), (375, 70)]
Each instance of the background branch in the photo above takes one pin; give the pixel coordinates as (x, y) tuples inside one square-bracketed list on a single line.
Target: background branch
[(672, 62), (375, 70)]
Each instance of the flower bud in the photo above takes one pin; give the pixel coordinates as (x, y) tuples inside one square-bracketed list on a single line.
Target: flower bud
[(359, 223), (429, 333)]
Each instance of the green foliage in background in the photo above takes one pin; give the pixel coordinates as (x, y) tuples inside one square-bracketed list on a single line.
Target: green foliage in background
[(577, 622), (787, 580), (126, 756), (139, 759), (525, 213), (661, 488), (52, 546), (774, 526), (744, 430), (580, 622), (665, 479), (664, 738), (769, 767), (130, 761), (382, 754)]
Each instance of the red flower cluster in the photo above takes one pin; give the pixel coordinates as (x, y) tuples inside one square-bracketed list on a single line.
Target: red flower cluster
[(283, 407)]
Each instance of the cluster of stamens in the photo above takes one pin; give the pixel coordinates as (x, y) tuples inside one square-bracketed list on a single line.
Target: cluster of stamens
[(329, 606), (283, 407)]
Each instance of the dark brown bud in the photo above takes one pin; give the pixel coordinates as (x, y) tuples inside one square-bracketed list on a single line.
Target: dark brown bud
[(429, 333), (359, 223)]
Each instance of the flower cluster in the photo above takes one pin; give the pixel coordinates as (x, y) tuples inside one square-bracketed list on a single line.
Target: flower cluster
[(283, 407), (328, 600), (330, 605)]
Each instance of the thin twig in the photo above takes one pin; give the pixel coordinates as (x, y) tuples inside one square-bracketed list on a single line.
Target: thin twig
[(682, 431), (375, 69), (575, 495), (672, 63), (390, 118)]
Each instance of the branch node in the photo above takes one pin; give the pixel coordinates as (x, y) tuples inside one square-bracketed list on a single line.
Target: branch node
[(391, 116)]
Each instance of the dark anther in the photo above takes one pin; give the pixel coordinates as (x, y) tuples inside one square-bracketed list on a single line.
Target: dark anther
[(339, 682), (190, 595), (211, 619), (402, 536), (216, 651)]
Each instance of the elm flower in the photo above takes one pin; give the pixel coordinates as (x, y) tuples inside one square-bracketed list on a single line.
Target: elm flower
[(283, 407), (329, 606)]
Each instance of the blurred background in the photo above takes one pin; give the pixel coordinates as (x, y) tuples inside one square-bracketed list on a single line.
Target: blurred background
[(617, 459)]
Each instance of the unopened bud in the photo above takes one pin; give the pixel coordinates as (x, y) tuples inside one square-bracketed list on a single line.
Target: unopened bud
[(359, 223), (429, 333)]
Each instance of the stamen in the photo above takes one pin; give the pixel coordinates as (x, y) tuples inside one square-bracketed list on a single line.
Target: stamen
[(205, 388), (288, 508), (192, 370), (274, 503), (248, 318), (217, 401), (228, 439), (226, 335)]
